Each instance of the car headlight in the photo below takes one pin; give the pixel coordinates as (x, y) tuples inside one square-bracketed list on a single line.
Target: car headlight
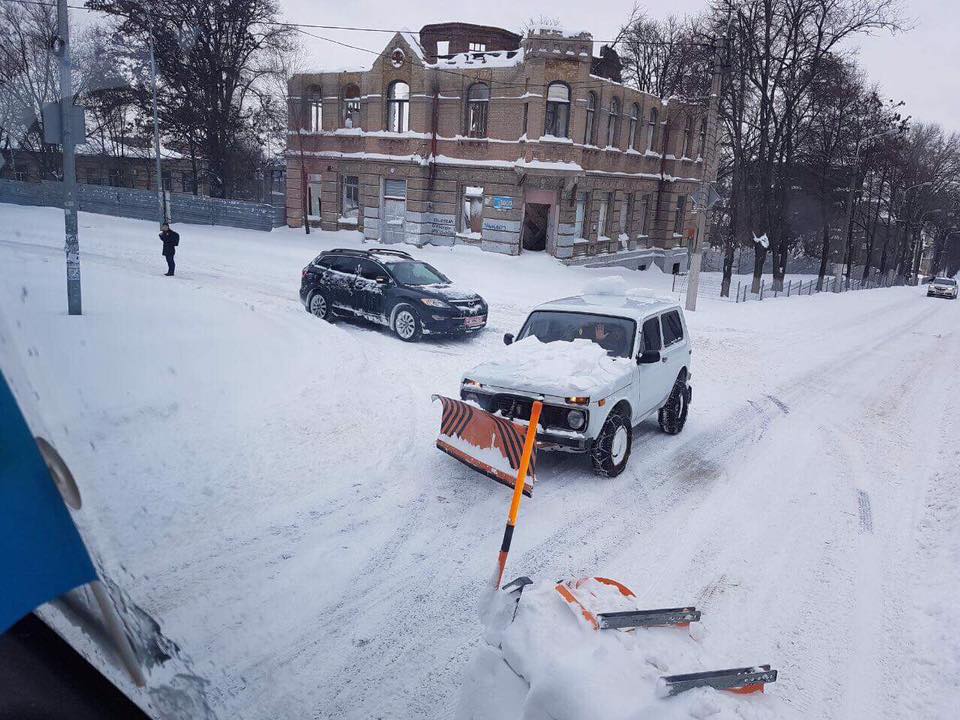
[(433, 302), (468, 381), (576, 419)]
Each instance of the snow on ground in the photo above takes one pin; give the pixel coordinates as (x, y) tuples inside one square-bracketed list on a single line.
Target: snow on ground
[(265, 485)]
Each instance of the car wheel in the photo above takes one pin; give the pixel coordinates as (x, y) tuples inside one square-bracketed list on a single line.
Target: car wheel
[(611, 449), (406, 324), (673, 415), (317, 305)]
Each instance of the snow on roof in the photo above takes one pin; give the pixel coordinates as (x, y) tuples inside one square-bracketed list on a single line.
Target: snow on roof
[(491, 59), (413, 40), (627, 304), (93, 148)]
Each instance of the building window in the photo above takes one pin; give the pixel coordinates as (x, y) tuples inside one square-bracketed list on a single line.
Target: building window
[(626, 210), (605, 204), (116, 177), (578, 229), (471, 219), (189, 184), (351, 107), (634, 118), (398, 107), (557, 119), (678, 220), (443, 48), (351, 198), (93, 176), (644, 215), (315, 108), (652, 130), (478, 100), (686, 144), (613, 123), (526, 113), (588, 136), (477, 47), (701, 152), (21, 176)]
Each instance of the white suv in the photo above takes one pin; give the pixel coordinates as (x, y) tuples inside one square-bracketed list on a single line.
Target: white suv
[(601, 364), (942, 287)]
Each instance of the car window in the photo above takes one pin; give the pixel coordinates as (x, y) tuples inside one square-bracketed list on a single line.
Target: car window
[(672, 328), (945, 281), (370, 270), (345, 264), (651, 335), (412, 272), (323, 261), (613, 334)]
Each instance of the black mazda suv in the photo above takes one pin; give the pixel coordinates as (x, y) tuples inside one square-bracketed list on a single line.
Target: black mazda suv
[(391, 288)]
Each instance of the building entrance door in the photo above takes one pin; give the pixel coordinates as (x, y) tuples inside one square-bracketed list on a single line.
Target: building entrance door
[(394, 210), (536, 221)]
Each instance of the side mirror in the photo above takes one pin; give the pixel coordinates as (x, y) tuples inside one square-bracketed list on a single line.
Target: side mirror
[(382, 280), (648, 357), (508, 339)]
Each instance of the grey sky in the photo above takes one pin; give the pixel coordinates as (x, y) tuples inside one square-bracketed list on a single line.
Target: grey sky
[(921, 67)]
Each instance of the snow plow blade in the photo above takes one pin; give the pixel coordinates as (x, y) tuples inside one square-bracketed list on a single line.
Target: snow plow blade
[(489, 444), (739, 680)]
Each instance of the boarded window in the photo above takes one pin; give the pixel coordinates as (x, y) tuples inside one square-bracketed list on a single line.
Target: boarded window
[(471, 220), (395, 189)]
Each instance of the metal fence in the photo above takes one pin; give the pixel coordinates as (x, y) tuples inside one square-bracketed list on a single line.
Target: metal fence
[(711, 286), (142, 204)]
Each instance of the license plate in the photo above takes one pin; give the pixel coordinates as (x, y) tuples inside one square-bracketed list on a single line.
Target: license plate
[(476, 321)]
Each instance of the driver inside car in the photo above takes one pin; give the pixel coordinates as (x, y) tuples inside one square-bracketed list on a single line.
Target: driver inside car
[(609, 338)]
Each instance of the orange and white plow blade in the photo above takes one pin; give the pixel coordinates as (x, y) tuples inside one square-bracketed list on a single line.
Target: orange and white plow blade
[(489, 444)]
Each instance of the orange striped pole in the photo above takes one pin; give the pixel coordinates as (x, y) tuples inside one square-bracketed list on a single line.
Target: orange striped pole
[(528, 444)]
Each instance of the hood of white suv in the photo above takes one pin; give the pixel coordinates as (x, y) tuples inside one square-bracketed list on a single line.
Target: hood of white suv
[(561, 369)]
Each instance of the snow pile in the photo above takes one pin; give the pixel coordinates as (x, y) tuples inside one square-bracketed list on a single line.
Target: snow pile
[(549, 663), (614, 285), (555, 368)]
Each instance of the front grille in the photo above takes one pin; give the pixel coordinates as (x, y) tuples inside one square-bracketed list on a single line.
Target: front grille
[(473, 307), (518, 407)]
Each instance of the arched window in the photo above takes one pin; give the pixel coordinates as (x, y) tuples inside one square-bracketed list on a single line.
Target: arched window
[(557, 120), (701, 152), (478, 102), (634, 119), (652, 130), (398, 107), (351, 106), (613, 123), (314, 107), (588, 136), (686, 142)]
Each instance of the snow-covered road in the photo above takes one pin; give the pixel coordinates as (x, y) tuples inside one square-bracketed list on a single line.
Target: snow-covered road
[(265, 486)]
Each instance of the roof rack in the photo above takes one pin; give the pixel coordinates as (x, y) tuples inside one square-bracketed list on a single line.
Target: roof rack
[(390, 251)]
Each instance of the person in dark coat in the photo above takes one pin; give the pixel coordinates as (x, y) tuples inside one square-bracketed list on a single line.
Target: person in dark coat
[(170, 241)]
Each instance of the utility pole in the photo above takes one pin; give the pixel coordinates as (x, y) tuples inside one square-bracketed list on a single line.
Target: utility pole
[(156, 125), (61, 47), (708, 178)]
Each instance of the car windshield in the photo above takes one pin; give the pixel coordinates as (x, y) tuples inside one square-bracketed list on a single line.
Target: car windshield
[(613, 334), (945, 281), (412, 272)]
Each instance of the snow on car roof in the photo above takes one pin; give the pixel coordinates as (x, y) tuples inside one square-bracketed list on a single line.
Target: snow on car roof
[(635, 307)]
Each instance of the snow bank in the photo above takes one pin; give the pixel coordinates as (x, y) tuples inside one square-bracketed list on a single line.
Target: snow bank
[(555, 368), (548, 663)]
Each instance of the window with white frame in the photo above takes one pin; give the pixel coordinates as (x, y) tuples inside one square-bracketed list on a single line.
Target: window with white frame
[(443, 47), (398, 107), (478, 102), (557, 119), (602, 213), (350, 209), (579, 231), (477, 47)]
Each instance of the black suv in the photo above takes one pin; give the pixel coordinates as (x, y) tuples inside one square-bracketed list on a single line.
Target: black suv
[(390, 288)]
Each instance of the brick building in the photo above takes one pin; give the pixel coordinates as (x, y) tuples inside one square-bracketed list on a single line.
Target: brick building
[(511, 145)]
